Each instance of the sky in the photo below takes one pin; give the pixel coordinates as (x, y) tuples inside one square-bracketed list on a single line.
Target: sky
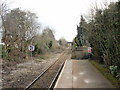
[(60, 15)]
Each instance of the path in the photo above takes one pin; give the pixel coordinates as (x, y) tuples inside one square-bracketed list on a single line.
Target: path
[(81, 74)]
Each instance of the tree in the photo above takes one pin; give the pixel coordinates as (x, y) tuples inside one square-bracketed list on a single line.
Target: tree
[(104, 34), (62, 41), (3, 11), (45, 41), (20, 29), (81, 38)]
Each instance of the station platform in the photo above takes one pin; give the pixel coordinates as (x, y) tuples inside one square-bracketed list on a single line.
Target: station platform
[(81, 74)]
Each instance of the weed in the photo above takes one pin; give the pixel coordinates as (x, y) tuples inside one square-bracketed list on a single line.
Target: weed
[(106, 73)]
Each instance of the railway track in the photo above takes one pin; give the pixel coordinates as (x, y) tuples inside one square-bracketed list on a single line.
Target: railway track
[(49, 76)]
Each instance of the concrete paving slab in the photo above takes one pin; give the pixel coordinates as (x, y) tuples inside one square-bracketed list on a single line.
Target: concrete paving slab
[(65, 78), (85, 75), (81, 74)]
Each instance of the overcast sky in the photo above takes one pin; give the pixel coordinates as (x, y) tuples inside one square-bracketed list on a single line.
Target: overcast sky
[(61, 15)]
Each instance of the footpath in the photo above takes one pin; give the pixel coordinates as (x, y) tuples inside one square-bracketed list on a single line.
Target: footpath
[(81, 74)]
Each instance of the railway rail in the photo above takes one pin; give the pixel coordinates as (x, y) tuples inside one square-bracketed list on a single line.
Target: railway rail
[(49, 76)]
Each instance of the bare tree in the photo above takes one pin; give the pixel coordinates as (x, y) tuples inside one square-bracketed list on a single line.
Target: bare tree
[(20, 28), (3, 11)]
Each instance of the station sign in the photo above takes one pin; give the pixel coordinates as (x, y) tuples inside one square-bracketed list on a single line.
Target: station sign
[(89, 49)]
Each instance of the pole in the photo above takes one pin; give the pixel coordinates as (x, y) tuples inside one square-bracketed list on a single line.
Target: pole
[(31, 51), (31, 55)]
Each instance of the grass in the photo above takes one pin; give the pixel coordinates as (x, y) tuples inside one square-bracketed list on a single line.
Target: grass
[(105, 71), (39, 60), (43, 56)]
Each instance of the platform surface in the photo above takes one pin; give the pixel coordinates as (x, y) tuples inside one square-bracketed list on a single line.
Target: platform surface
[(81, 74)]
